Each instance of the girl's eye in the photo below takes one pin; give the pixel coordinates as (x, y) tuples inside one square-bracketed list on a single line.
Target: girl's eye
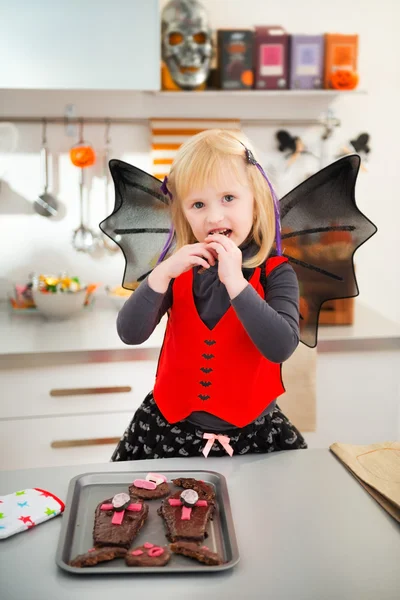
[(198, 205), (229, 198)]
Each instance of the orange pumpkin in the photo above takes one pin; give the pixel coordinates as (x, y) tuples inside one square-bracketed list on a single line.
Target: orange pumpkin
[(344, 79), (82, 155)]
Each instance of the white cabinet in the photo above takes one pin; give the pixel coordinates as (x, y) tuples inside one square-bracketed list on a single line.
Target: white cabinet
[(68, 414), (91, 45)]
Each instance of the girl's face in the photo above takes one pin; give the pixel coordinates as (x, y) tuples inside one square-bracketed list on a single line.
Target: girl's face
[(227, 208)]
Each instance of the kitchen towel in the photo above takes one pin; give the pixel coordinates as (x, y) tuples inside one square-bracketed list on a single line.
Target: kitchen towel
[(377, 468), (24, 509), (167, 135)]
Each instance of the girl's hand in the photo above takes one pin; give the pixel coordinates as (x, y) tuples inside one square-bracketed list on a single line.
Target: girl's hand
[(229, 263), (181, 261)]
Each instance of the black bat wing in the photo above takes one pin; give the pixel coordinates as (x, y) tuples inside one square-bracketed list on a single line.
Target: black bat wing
[(322, 228), (140, 221)]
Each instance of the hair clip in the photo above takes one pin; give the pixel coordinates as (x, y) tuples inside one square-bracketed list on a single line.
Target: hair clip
[(250, 157), (165, 189)]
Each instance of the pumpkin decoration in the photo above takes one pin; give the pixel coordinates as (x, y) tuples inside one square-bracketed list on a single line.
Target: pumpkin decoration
[(82, 155), (344, 79)]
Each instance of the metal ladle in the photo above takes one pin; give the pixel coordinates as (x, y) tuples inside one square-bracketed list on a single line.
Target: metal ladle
[(46, 204), (83, 239)]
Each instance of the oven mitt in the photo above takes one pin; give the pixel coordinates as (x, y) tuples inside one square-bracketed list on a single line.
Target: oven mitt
[(25, 509)]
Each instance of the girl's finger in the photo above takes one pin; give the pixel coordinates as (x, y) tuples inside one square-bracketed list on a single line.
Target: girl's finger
[(205, 253), (196, 260), (210, 256), (219, 248), (221, 239)]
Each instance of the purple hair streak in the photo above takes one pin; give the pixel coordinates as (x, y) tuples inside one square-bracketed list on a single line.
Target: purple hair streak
[(250, 158)]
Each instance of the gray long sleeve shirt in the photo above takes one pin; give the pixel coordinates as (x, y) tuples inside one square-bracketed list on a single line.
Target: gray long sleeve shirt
[(271, 323)]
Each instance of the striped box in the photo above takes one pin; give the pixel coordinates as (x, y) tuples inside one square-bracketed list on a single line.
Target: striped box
[(167, 135)]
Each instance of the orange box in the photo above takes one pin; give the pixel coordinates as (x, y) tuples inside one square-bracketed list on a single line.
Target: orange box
[(341, 52)]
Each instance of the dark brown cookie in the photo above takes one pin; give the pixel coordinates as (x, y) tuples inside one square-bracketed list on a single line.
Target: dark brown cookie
[(106, 533), (97, 555), (161, 491), (193, 529), (200, 553), (148, 555), (204, 490)]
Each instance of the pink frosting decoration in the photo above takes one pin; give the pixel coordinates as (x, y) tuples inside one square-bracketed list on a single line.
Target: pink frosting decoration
[(204, 548), (186, 512), (201, 503), (118, 517), (174, 502), (135, 507), (144, 484), (137, 552), (91, 549), (156, 551), (148, 545)]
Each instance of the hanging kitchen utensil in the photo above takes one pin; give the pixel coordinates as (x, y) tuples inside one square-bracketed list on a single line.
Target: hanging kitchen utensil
[(46, 204), (82, 155), (83, 238), (108, 243)]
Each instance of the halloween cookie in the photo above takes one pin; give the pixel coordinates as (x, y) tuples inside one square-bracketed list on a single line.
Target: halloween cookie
[(148, 555), (154, 486), (186, 516), (118, 520), (204, 490), (200, 553), (98, 555)]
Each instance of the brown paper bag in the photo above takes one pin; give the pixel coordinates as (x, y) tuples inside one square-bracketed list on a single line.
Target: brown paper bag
[(377, 468), (299, 401)]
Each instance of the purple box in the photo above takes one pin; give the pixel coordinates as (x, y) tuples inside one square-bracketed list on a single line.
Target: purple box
[(306, 62)]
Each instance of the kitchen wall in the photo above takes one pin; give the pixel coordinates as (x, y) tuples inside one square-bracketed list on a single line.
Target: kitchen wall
[(30, 242)]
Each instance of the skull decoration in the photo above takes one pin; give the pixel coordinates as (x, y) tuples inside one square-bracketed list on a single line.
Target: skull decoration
[(186, 42)]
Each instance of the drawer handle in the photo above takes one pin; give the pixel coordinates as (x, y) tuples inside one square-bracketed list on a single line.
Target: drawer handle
[(89, 391), (88, 442)]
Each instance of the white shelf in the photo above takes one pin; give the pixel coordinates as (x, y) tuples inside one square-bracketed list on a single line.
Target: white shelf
[(254, 93)]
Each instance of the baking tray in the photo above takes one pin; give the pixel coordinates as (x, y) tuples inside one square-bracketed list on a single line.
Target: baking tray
[(87, 490)]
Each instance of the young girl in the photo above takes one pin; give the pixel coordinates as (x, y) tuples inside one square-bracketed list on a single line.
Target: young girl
[(233, 313)]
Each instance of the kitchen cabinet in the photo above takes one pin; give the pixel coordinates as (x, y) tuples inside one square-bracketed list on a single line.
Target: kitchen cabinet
[(92, 45), (68, 414)]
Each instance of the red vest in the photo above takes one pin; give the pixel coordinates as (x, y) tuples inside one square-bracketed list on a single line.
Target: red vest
[(217, 370)]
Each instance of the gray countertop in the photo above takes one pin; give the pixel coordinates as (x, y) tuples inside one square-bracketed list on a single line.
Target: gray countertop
[(306, 530), (91, 337)]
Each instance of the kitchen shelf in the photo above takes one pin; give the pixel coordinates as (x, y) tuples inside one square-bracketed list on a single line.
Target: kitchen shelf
[(255, 107), (254, 93)]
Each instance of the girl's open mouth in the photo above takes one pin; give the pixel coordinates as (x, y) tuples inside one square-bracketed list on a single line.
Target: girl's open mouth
[(226, 232)]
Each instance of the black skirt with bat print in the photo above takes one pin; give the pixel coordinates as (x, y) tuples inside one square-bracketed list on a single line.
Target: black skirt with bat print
[(149, 435)]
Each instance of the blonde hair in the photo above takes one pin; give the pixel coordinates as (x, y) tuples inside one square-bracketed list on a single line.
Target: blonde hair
[(198, 163)]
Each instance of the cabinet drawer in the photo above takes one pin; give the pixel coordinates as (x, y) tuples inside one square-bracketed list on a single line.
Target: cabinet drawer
[(81, 439), (73, 389)]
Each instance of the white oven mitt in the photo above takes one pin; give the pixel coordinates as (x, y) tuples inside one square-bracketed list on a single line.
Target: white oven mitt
[(25, 509)]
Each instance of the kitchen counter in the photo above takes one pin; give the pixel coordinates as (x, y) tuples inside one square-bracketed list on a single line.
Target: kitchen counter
[(91, 336), (313, 533)]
